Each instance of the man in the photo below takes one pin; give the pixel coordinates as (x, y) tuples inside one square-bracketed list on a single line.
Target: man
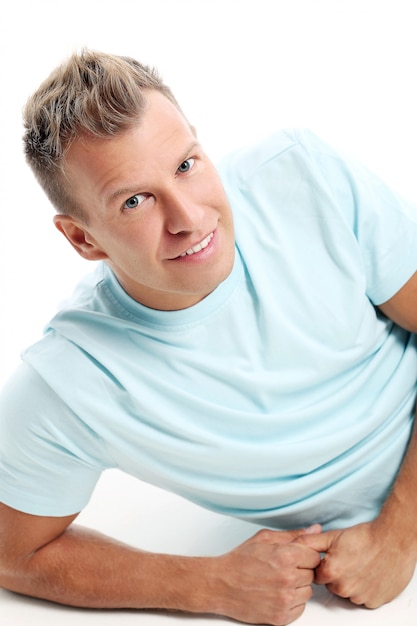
[(263, 366)]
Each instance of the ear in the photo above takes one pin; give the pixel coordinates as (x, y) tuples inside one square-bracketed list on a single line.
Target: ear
[(79, 237)]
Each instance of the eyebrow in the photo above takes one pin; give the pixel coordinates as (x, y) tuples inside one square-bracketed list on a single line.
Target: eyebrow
[(132, 189)]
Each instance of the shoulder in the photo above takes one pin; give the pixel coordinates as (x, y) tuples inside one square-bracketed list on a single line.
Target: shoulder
[(87, 291), (291, 149)]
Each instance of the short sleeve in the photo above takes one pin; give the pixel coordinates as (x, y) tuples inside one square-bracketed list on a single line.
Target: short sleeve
[(50, 461), (384, 223)]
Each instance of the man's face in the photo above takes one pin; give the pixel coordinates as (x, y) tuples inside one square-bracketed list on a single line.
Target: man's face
[(156, 210)]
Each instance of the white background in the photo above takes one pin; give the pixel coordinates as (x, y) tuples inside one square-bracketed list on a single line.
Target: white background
[(240, 68)]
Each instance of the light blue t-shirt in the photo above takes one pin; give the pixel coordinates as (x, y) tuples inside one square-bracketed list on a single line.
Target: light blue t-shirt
[(284, 397)]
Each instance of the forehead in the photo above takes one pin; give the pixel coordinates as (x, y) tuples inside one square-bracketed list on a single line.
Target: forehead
[(156, 144)]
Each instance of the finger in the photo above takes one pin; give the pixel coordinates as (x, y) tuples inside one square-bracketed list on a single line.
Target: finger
[(265, 536), (293, 614), (293, 535), (325, 575), (321, 578), (337, 590), (311, 559), (373, 603), (313, 529), (301, 557), (302, 595), (277, 537), (321, 542), (305, 578), (360, 600)]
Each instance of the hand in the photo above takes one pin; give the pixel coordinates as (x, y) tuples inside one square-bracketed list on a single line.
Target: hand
[(367, 563), (267, 579)]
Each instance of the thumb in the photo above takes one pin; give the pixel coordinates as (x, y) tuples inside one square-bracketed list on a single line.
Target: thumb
[(281, 537), (312, 530), (289, 536), (321, 542)]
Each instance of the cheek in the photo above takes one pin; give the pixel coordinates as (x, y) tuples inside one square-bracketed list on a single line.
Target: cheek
[(138, 243), (218, 193), (213, 193)]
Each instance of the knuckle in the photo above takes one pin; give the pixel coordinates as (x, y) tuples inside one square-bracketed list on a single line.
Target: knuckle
[(288, 579), (363, 600), (338, 590), (288, 556), (265, 535), (372, 604), (330, 569), (285, 599), (281, 616), (358, 600), (284, 616), (309, 592)]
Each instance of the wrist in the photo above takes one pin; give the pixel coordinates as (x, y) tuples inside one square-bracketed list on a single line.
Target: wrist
[(189, 585), (398, 522)]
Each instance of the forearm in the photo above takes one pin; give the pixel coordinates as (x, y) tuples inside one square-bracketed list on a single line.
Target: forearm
[(371, 563), (86, 569), (267, 579), (399, 511)]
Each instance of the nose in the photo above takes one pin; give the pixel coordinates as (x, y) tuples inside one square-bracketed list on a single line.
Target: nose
[(183, 215)]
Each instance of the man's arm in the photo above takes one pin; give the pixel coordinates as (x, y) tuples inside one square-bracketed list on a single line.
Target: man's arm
[(265, 580), (372, 563), (402, 307)]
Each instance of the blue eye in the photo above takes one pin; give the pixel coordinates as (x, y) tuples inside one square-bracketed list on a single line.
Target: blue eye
[(186, 166), (134, 201)]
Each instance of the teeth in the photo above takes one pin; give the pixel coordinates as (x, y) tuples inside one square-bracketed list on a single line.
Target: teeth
[(200, 246)]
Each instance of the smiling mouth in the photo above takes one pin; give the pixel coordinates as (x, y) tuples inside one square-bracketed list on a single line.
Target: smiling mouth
[(199, 246)]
